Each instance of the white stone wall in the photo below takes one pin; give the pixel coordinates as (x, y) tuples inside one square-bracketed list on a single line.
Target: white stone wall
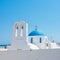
[(54, 46), (36, 41), (20, 37)]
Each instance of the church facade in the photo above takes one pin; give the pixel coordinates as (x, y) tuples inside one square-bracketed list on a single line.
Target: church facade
[(35, 40), (21, 40)]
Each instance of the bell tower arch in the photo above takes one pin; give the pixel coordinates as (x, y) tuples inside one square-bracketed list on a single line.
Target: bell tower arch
[(20, 36)]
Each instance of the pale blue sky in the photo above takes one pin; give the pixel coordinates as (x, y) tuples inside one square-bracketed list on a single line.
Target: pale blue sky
[(43, 13)]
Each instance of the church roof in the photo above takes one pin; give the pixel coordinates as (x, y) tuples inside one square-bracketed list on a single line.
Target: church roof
[(2, 45), (36, 33)]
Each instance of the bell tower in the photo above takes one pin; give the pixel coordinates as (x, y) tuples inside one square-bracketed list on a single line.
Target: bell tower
[(20, 30), (20, 36)]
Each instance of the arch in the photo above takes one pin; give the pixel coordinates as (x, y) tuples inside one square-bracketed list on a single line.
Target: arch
[(22, 27), (21, 34), (16, 29)]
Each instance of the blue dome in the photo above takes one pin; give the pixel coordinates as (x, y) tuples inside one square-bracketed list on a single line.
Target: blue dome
[(36, 33)]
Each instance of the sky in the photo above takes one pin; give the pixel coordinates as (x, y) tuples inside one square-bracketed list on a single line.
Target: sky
[(45, 14)]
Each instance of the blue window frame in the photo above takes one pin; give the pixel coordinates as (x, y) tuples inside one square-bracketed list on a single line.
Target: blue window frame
[(31, 40), (40, 40)]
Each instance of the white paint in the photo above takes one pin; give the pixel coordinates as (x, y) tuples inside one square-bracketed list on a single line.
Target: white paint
[(32, 46), (3, 49), (36, 41), (20, 42), (16, 33)]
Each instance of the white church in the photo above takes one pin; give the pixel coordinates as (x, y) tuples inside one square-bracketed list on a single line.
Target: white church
[(21, 40)]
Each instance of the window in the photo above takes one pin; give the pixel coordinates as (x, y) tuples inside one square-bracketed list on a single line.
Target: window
[(47, 44), (16, 26), (22, 27), (31, 40), (21, 31), (16, 29), (40, 40)]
